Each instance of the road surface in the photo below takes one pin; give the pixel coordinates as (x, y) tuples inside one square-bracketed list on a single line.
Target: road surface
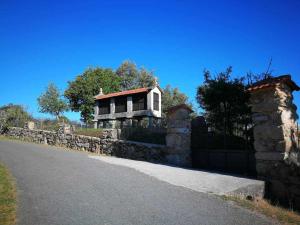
[(58, 187)]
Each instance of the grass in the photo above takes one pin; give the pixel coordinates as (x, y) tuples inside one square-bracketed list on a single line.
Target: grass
[(284, 216), (7, 198), (88, 132)]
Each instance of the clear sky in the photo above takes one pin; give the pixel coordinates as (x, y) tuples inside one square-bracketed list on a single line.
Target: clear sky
[(53, 41)]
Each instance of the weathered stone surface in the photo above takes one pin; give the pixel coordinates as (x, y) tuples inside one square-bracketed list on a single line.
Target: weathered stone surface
[(176, 152), (178, 137), (277, 154), (30, 125), (107, 144)]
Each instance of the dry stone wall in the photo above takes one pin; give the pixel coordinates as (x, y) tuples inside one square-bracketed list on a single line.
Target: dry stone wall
[(176, 152), (107, 144)]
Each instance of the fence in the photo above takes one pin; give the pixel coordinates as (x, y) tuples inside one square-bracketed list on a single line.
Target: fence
[(154, 135)]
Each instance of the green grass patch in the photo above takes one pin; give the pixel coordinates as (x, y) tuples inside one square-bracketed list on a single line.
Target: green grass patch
[(282, 215), (89, 132), (7, 198)]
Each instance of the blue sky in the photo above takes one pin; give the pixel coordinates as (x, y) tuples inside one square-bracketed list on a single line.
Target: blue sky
[(53, 41)]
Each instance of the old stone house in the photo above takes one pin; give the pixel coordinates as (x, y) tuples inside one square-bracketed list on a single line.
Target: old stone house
[(135, 107)]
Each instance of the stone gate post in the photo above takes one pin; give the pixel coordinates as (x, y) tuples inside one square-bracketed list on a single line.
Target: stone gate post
[(178, 137), (275, 138)]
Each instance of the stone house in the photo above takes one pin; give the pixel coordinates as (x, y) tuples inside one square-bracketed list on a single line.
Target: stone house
[(137, 107)]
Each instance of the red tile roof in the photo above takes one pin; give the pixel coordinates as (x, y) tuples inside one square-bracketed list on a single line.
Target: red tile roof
[(122, 93), (271, 82)]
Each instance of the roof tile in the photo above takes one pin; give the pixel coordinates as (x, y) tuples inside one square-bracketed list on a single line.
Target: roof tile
[(122, 93)]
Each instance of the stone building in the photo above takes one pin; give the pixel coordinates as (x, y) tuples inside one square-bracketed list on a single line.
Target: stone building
[(137, 107)]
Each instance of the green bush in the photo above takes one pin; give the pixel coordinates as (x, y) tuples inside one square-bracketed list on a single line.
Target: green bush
[(13, 116)]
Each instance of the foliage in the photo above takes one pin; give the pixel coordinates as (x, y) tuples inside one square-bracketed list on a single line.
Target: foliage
[(47, 124), (225, 101), (81, 91), (51, 124), (51, 102), (13, 116), (63, 119), (253, 78), (132, 77), (172, 97), (7, 198)]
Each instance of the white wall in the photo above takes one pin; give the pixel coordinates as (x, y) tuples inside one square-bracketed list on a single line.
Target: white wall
[(150, 101)]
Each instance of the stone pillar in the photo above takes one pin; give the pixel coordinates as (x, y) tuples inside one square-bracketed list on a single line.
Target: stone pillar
[(96, 113), (112, 106), (64, 129), (129, 104), (29, 125), (277, 155), (112, 123), (178, 137), (96, 109), (150, 121)]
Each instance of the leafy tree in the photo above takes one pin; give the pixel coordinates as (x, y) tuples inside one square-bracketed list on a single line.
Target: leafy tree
[(81, 91), (13, 116), (146, 78), (172, 97), (225, 101), (51, 102), (132, 77)]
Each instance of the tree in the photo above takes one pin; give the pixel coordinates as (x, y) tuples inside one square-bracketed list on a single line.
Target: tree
[(172, 97), (51, 102), (13, 116), (81, 91), (225, 101), (132, 77)]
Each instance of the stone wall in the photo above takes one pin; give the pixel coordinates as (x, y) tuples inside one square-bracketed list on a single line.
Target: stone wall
[(176, 152), (275, 140), (107, 144), (178, 137)]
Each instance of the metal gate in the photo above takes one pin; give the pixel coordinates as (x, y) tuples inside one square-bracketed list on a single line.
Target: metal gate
[(206, 154)]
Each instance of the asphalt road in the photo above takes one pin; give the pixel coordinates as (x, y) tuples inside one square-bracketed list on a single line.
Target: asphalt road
[(58, 187)]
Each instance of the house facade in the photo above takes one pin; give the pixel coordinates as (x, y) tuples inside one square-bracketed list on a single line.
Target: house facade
[(137, 107)]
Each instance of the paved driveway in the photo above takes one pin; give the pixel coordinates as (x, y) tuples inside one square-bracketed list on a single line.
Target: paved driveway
[(201, 181), (67, 187)]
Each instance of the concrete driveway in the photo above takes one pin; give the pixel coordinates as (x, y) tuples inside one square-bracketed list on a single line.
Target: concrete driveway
[(67, 187), (201, 181)]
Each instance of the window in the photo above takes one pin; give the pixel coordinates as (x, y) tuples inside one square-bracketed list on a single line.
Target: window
[(139, 102), (156, 101), (121, 104), (104, 106)]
